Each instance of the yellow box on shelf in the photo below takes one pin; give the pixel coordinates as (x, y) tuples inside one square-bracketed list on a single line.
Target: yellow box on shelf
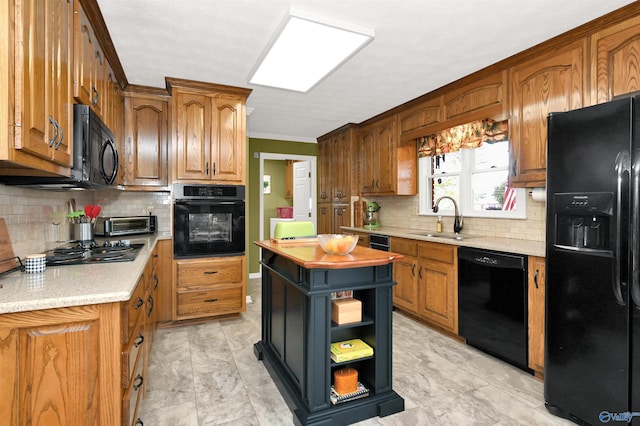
[(348, 350)]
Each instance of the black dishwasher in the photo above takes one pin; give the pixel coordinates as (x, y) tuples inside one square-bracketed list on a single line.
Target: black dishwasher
[(492, 303)]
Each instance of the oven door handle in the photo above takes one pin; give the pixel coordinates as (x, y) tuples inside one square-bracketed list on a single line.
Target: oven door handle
[(209, 202)]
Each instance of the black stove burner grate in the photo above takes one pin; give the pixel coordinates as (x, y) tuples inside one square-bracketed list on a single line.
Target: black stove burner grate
[(92, 253)]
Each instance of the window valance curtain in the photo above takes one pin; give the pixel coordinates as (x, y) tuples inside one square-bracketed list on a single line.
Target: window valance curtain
[(470, 135)]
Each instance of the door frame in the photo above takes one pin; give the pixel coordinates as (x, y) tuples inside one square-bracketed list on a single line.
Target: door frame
[(312, 167)]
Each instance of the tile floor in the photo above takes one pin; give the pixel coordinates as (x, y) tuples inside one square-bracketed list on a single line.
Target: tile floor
[(207, 374)]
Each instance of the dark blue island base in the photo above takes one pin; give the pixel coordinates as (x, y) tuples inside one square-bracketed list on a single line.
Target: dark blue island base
[(297, 333)]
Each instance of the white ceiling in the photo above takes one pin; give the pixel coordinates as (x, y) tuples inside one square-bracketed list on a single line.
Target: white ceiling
[(419, 45)]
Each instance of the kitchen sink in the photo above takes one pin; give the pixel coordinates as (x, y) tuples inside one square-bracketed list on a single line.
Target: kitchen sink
[(445, 235)]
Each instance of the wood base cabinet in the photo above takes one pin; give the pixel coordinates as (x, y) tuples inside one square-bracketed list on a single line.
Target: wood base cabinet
[(427, 281), (61, 366), (536, 286), (438, 285), (81, 365), (209, 287), (405, 274)]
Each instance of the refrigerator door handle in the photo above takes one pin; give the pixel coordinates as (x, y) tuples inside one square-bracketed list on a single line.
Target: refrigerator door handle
[(635, 236), (623, 166)]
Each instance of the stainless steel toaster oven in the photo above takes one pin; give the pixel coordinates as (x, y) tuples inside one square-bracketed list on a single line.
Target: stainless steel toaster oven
[(116, 226)]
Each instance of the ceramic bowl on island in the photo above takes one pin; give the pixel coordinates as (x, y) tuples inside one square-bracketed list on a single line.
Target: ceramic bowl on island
[(338, 243)]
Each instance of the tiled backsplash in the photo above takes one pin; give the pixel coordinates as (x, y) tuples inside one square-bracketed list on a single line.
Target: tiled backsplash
[(31, 214), (401, 212)]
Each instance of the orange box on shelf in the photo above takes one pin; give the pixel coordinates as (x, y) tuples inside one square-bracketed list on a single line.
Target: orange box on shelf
[(345, 311)]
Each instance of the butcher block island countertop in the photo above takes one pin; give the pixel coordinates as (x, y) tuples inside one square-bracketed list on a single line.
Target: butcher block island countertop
[(310, 255)]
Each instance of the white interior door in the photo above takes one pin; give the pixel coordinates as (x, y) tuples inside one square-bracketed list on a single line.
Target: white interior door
[(302, 202)]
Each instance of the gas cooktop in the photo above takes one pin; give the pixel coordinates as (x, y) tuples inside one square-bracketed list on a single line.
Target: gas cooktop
[(85, 252)]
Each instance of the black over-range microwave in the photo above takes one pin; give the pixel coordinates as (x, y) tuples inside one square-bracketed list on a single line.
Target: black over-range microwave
[(95, 157)]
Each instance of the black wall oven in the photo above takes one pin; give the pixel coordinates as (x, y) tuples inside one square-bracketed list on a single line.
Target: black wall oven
[(208, 220)]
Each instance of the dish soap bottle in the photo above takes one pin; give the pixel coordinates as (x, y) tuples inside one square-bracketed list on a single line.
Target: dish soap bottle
[(439, 223)]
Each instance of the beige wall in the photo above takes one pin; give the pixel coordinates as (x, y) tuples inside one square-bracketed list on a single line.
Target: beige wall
[(30, 213), (401, 211)]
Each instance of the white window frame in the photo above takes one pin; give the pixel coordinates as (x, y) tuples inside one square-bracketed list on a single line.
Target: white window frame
[(465, 203)]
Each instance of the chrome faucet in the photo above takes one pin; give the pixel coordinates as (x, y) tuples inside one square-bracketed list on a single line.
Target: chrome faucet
[(457, 222)]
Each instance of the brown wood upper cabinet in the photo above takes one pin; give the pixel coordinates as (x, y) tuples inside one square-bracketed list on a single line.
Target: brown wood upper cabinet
[(485, 98), (552, 83), (387, 166), (94, 81), (210, 131), (39, 113), (615, 64), (334, 167), (143, 154)]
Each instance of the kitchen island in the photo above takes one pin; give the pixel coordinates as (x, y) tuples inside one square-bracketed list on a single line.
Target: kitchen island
[(298, 280)]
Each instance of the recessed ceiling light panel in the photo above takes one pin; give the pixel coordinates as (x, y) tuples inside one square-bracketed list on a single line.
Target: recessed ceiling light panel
[(307, 50)]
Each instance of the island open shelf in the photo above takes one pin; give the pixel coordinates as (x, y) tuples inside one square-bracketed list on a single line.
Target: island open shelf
[(297, 331)]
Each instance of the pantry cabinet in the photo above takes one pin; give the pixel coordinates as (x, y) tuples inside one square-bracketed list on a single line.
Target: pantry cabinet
[(615, 64), (209, 125), (536, 290), (438, 285), (36, 90), (325, 218), (335, 161), (552, 83), (209, 287), (144, 149)]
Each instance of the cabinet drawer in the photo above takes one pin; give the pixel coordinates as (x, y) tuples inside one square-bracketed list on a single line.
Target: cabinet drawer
[(212, 272), (434, 251), (404, 246), (130, 354), (132, 311), (216, 301)]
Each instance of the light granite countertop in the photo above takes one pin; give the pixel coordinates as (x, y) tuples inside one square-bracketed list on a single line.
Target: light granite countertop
[(508, 245), (74, 285)]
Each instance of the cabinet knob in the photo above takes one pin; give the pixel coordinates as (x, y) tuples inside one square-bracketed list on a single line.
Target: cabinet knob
[(210, 272), (535, 278), (210, 300), (206, 168)]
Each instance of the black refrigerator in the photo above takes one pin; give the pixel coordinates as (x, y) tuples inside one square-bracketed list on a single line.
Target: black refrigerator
[(592, 299)]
